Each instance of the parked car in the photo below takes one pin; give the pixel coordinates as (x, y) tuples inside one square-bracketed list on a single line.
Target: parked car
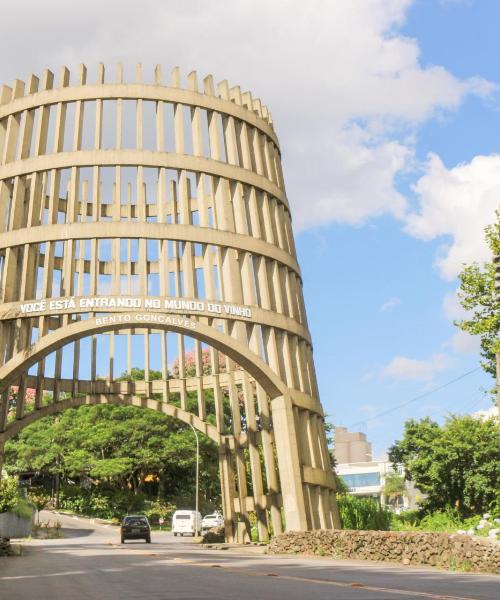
[(135, 527), (213, 520), (186, 522)]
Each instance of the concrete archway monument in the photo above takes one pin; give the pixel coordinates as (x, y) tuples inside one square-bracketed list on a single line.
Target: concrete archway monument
[(144, 220)]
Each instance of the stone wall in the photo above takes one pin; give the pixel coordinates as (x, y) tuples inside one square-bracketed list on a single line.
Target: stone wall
[(215, 535), (455, 551), (13, 526)]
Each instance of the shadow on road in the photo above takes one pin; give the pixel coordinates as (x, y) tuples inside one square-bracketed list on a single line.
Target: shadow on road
[(70, 532)]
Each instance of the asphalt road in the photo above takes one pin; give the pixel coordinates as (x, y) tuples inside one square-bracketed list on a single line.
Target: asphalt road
[(90, 563)]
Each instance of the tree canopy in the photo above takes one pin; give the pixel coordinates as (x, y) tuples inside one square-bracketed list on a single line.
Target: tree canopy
[(125, 449), (477, 296), (456, 464)]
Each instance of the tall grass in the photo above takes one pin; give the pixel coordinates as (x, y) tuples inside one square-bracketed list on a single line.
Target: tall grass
[(362, 513)]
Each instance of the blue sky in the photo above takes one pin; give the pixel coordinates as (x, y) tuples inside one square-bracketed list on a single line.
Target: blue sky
[(378, 263), (388, 113), (463, 37)]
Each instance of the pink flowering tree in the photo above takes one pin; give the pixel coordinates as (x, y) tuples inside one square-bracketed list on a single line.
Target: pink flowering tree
[(29, 398), (190, 364)]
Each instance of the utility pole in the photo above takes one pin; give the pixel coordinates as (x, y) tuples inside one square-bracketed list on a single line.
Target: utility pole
[(197, 477)]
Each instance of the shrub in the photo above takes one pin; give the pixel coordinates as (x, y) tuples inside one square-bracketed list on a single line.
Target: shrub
[(448, 520), (23, 509), (11, 499), (362, 513), (74, 499), (9, 493), (407, 520)]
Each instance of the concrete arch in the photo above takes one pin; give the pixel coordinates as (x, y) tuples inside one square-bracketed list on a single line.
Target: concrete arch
[(249, 361), (115, 399), (290, 472)]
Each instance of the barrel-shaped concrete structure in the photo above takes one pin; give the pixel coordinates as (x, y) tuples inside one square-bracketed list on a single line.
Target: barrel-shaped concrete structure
[(146, 225)]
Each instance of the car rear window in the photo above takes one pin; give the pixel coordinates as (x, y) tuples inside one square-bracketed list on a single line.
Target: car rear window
[(135, 521), (182, 516)]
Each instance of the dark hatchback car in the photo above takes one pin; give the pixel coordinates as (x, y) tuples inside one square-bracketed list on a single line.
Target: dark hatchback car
[(135, 527)]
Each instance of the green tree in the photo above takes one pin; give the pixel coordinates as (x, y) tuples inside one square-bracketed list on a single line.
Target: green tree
[(457, 464), (477, 296), (137, 374), (126, 449), (394, 487)]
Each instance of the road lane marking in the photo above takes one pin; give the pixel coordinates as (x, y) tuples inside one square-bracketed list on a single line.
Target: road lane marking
[(348, 584), (372, 588), (345, 584), (59, 574), (251, 573)]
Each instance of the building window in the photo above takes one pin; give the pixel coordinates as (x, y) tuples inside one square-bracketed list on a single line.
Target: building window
[(358, 480)]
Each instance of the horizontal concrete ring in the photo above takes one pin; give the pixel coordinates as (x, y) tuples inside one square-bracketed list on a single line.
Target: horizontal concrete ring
[(137, 91), (144, 158)]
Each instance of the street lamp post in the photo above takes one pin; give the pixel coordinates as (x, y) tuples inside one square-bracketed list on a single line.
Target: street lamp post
[(197, 475), (496, 262)]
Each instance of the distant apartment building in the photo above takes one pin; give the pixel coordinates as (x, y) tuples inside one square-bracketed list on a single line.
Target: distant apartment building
[(351, 446), (365, 476)]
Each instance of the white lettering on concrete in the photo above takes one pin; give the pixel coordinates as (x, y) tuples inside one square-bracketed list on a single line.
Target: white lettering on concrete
[(89, 303), (30, 307), (146, 318)]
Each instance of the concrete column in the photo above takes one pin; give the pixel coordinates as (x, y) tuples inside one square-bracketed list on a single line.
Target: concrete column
[(289, 463), (228, 493)]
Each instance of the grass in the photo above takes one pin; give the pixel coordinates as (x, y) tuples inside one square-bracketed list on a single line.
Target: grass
[(23, 509), (363, 513)]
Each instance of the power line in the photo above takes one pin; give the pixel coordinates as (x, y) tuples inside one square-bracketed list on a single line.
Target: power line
[(419, 397), (461, 411), (474, 404)]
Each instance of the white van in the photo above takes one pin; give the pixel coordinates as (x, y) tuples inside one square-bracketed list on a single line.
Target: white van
[(184, 522)]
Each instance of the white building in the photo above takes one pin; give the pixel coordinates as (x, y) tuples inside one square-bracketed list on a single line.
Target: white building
[(368, 477)]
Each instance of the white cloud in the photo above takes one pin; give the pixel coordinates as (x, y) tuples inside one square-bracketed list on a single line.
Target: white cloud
[(461, 342), (358, 185), (456, 205), (464, 343), (393, 302), (402, 368), (342, 83), (452, 308)]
